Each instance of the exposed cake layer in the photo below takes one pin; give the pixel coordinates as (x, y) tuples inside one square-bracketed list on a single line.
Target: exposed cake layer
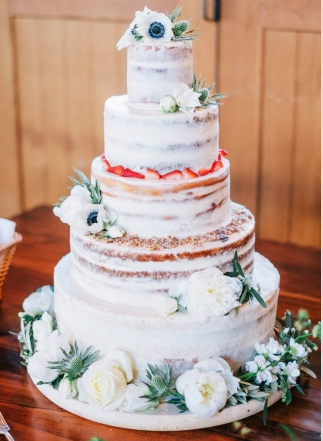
[(148, 207), (134, 271), (180, 339), (155, 70), (139, 138)]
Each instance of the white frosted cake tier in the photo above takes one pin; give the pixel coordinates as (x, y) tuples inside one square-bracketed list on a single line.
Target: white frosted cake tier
[(138, 272), (146, 138), (180, 339), (149, 207), (154, 70)]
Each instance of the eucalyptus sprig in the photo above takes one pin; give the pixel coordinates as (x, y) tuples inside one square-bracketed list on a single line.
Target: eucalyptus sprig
[(84, 182), (181, 27), (248, 291), (206, 98)]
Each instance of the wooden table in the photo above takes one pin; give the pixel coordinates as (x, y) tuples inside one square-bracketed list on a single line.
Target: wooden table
[(33, 418)]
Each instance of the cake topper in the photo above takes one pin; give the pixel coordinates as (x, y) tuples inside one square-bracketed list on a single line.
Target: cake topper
[(155, 27)]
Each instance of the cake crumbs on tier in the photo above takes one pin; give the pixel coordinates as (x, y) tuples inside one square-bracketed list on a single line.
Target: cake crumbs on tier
[(222, 234)]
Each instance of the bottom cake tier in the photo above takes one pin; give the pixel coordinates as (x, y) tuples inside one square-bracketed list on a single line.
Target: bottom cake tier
[(179, 339)]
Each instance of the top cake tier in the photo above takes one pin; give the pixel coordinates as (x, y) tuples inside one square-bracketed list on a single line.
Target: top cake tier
[(155, 70)]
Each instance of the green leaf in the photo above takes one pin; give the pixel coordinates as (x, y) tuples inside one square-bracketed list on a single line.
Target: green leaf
[(289, 432), (232, 274), (175, 14), (243, 294), (288, 396), (258, 297), (265, 412), (299, 389), (82, 176)]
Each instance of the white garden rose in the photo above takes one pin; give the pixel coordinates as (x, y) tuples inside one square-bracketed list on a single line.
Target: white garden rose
[(67, 388), (47, 349), (220, 366), (205, 392), (77, 201), (132, 401), (39, 302), (105, 381), (186, 99), (167, 306), (211, 293), (116, 231), (90, 219), (168, 104), (44, 327)]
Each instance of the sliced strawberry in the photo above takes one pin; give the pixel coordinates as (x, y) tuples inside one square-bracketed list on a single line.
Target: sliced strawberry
[(105, 162), (204, 171), (216, 166), (223, 152), (189, 174), (127, 173), (117, 170), (152, 174), (176, 175)]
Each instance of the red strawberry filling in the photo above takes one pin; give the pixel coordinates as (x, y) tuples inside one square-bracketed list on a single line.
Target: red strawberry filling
[(153, 174)]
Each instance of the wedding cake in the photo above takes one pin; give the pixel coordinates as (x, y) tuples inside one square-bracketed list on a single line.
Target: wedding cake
[(162, 272)]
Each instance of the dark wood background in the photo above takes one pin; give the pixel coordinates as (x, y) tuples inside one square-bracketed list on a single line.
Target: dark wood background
[(33, 418)]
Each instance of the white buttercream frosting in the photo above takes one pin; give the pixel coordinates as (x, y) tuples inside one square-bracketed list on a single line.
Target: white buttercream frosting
[(146, 138), (179, 338)]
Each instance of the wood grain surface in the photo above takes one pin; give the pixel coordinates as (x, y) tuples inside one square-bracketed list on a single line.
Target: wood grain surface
[(33, 418)]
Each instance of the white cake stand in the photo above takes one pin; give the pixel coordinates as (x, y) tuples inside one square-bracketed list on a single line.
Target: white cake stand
[(165, 418)]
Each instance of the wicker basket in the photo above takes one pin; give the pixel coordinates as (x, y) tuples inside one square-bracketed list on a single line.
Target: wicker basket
[(6, 252)]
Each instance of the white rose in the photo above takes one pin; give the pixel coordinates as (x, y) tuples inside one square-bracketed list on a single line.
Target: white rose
[(44, 327), (48, 349), (186, 98), (167, 306), (39, 302), (78, 199), (205, 392), (220, 366), (104, 385), (67, 388), (116, 231), (120, 360), (211, 293), (90, 219), (168, 104), (132, 401)]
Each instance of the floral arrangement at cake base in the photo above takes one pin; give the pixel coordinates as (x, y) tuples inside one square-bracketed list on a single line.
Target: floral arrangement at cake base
[(107, 384)]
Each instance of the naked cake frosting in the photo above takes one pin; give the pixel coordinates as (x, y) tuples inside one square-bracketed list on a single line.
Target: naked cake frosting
[(162, 300)]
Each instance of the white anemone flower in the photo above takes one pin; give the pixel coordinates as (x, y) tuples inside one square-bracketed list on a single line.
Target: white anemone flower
[(78, 199), (90, 219), (155, 27)]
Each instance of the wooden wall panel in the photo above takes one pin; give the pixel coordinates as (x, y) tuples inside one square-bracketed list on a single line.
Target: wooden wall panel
[(239, 60), (66, 71), (277, 135), (306, 197), (10, 188)]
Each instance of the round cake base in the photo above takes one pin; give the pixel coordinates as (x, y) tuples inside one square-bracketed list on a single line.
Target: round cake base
[(165, 418)]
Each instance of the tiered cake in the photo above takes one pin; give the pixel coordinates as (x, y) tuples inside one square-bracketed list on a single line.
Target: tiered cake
[(156, 177)]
